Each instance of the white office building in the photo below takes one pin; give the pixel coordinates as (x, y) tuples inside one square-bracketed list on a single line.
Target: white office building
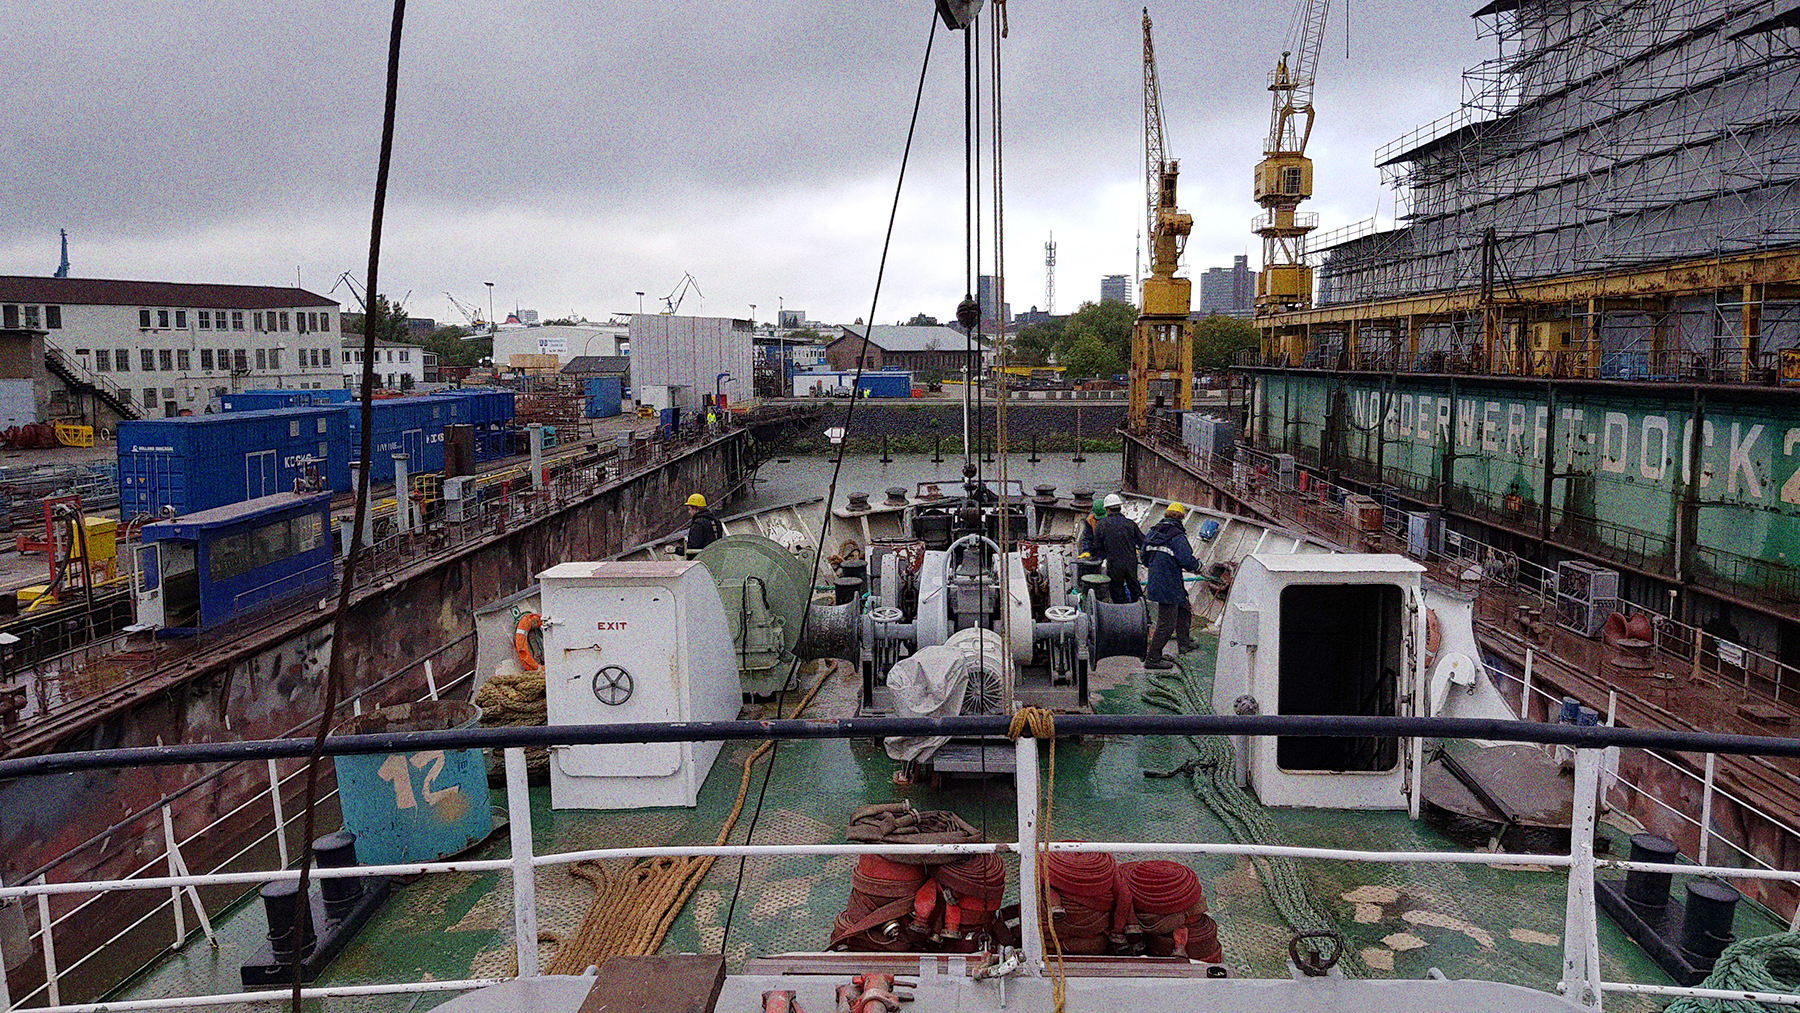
[(397, 366), (149, 349)]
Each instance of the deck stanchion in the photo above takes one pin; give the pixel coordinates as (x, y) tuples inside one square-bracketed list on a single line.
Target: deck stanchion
[(174, 870), (1581, 939), (1525, 690), (518, 816), (6, 986), (52, 982), (281, 846), (1025, 784), (1706, 804), (178, 867)]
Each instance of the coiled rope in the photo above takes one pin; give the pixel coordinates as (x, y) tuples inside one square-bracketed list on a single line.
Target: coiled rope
[(1759, 964), (1042, 726), (632, 911), (1214, 779)]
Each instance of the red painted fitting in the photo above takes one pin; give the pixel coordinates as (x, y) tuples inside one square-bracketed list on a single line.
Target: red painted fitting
[(780, 1001)]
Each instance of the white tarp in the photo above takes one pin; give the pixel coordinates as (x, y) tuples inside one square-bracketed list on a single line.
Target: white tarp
[(934, 682)]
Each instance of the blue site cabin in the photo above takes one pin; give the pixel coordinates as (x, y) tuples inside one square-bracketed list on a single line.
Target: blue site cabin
[(203, 569)]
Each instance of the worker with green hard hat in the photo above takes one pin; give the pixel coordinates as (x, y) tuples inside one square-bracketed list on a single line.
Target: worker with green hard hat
[(703, 527)]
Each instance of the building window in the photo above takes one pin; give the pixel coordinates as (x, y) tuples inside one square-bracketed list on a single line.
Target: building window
[(256, 321), (206, 320), (206, 360), (9, 315), (274, 358), (284, 320), (53, 317), (181, 320), (147, 360), (149, 397), (103, 361), (122, 360), (181, 359), (31, 317), (403, 355), (168, 393), (325, 356), (237, 320), (240, 361), (300, 322), (165, 359), (262, 358), (162, 319)]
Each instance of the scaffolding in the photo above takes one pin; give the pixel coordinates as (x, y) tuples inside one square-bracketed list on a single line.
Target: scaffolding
[(1603, 138)]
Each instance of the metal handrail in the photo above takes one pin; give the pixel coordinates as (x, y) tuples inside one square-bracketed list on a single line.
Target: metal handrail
[(1582, 978)]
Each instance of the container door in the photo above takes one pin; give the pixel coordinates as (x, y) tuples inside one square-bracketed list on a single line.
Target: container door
[(259, 474), (412, 443)]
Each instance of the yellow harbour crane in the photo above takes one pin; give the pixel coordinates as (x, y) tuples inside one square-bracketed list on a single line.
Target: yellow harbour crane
[(1162, 340), (1284, 178)]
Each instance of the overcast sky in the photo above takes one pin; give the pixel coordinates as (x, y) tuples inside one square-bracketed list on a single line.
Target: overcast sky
[(576, 153)]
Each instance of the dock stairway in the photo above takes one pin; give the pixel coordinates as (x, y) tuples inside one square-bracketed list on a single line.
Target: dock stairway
[(78, 377)]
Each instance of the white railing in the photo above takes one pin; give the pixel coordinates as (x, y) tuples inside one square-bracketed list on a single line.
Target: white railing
[(1581, 979), (181, 882)]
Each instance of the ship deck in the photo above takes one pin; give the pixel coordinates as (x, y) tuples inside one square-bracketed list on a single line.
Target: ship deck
[(1470, 920)]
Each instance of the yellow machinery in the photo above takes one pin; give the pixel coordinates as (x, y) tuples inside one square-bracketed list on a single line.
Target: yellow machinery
[(1162, 340), (1552, 342), (1284, 178)]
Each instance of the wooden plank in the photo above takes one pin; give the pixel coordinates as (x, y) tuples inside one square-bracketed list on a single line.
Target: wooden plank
[(678, 983)]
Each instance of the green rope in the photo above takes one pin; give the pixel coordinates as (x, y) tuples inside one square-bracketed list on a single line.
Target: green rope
[(1214, 779), (1760, 964)]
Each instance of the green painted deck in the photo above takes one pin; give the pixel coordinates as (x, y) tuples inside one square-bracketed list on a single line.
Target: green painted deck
[(1478, 920)]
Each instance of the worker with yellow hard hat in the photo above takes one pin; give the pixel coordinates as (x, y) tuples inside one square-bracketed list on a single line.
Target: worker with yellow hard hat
[(1167, 552), (703, 527)]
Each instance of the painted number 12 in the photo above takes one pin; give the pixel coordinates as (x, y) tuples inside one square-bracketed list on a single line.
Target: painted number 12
[(397, 771)]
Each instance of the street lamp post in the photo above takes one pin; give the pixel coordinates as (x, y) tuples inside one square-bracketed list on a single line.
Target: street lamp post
[(491, 326)]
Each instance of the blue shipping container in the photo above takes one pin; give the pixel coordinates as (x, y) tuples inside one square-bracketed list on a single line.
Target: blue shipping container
[(198, 462), (410, 425), (259, 400), (886, 384), (603, 396)]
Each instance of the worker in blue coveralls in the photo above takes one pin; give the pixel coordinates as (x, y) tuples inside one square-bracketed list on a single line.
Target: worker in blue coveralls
[(1167, 553)]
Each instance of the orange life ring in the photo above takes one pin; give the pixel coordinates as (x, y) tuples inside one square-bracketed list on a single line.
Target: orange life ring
[(1434, 636), (522, 644)]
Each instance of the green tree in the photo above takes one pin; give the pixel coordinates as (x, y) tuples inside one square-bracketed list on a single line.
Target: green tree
[(1091, 356), (1034, 345), (389, 322), (1110, 322), (1218, 339)]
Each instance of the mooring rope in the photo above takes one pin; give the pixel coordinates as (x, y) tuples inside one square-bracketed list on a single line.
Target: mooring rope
[(1758, 964), (1214, 778), (632, 911), (1041, 724)]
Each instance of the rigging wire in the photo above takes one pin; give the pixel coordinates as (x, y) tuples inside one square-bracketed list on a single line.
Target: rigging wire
[(837, 466), (372, 309)]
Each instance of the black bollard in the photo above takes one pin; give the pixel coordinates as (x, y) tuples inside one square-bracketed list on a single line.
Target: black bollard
[(338, 851)]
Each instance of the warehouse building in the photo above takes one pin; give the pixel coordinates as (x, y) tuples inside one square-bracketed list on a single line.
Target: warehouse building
[(150, 349), (677, 362)]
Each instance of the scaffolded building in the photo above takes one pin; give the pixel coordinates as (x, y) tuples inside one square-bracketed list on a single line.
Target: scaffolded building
[(1618, 197)]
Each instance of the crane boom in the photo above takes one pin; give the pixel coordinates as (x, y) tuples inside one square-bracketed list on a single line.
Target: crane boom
[(1162, 346)]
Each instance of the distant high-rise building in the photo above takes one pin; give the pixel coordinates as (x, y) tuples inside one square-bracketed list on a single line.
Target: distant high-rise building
[(1116, 287), (1229, 290), (993, 311)]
